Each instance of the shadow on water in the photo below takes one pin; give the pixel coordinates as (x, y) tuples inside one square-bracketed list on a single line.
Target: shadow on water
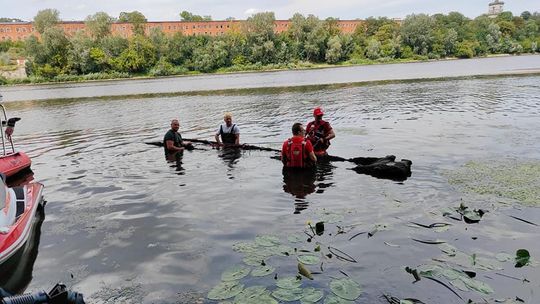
[(230, 157), (302, 182), (175, 161), (16, 273)]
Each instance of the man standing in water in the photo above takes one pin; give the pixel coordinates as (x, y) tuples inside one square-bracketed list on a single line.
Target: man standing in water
[(297, 152), (229, 132), (172, 142), (319, 133)]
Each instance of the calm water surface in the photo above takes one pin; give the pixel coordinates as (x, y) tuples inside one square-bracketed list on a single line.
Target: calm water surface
[(123, 224)]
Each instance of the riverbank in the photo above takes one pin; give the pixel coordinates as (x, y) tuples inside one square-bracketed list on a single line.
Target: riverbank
[(315, 76)]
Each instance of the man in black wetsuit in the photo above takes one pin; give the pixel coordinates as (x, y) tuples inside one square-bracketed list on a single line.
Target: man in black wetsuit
[(229, 132), (172, 142)]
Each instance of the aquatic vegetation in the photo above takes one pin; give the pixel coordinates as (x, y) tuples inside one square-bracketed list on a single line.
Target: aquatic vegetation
[(346, 289), (515, 180), (225, 290)]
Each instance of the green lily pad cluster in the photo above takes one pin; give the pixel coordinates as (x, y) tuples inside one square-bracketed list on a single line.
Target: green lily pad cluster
[(287, 289), (519, 181), (455, 277)]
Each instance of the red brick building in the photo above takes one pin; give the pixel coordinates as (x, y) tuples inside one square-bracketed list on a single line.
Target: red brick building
[(21, 30)]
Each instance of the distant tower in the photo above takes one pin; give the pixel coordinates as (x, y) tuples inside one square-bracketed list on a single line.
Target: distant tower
[(495, 8)]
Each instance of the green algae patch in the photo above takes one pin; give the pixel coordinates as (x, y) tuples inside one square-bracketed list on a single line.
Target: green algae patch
[(515, 180)]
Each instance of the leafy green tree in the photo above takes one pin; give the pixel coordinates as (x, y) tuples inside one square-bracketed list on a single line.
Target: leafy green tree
[(334, 50), (160, 42), (259, 30), (45, 19), (136, 18), (526, 15), (113, 46), (417, 32), (187, 16), (3, 19), (138, 57), (214, 56), (99, 25), (79, 59), (373, 50), (465, 49)]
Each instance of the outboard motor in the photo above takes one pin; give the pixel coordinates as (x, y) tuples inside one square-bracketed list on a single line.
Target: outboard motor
[(58, 295)]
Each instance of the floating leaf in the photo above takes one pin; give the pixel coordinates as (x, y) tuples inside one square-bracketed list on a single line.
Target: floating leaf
[(253, 260), (225, 290), (304, 271), (296, 238), (345, 288), (267, 240), (448, 249), (288, 295), (262, 271), (245, 247), (235, 273), (254, 295), (289, 283), (503, 257), (476, 285), (333, 299), (308, 259), (311, 295), (522, 257)]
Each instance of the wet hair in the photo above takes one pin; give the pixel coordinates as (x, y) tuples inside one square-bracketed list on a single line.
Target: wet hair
[(296, 128), (227, 115)]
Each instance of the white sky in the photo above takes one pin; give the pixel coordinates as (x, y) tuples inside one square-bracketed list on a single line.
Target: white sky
[(160, 10)]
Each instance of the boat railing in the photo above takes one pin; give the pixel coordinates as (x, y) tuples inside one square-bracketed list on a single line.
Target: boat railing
[(4, 119)]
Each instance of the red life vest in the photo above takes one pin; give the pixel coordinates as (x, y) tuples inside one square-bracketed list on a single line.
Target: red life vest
[(295, 155)]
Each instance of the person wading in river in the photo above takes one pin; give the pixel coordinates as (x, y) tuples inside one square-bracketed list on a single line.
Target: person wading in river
[(297, 152), (172, 141), (319, 133), (229, 132)]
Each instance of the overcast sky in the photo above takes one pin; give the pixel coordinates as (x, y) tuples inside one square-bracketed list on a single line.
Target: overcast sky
[(159, 10)]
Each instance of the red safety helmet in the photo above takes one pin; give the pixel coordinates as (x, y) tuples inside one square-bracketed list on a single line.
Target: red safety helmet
[(318, 112)]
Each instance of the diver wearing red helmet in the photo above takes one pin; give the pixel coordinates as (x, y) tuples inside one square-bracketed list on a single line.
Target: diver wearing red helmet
[(319, 132)]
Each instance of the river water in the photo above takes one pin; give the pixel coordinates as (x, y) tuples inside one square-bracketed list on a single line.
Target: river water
[(125, 225)]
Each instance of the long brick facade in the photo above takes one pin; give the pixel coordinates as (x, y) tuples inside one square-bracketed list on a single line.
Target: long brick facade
[(21, 30)]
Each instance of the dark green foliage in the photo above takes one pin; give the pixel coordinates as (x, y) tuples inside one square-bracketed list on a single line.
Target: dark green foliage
[(256, 46)]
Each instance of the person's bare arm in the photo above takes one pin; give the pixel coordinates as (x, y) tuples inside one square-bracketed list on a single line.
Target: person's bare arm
[(171, 147), (217, 139), (330, 135), (237, 139), (312, 156)]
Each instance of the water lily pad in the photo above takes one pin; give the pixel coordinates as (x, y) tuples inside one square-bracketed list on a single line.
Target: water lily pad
[(448, 249), (235, 273), (522, 257), (296, 238), (254, 295), (329, 217), (333, 299), (311, 295), (289, 283), (477, 285), (225, 290), (253, 260), (459, 284), (346, 288), (308, 259), (267, 240), (288, 295), (245, 247), (503, 257), (262, 271)]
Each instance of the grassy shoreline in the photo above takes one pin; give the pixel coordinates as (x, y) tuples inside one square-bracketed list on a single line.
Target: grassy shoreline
[(116, 76)]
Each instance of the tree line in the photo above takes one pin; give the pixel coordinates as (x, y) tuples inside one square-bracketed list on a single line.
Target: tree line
[(308, 41)]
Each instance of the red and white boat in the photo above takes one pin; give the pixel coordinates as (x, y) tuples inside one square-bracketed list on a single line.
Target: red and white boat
[(11, 161), (18, 207)]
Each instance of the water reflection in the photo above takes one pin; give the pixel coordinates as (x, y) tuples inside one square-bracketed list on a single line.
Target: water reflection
[(16, 272), (302, 182), (175, 159)]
